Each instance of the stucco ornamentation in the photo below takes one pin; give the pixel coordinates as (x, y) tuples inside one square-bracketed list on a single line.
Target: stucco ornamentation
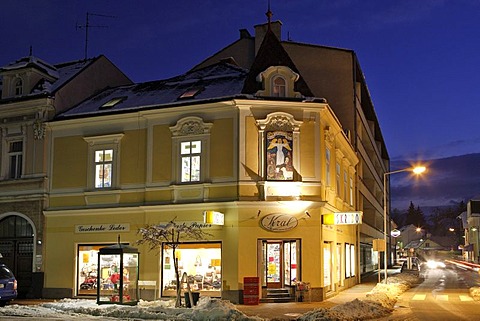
[(38, 129)]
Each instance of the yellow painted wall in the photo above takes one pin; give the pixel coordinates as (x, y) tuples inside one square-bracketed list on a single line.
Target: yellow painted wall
[(222, 148), (162, 154), (251, 153), (307, 149), (69, 160), (133, 157), (60, 257)]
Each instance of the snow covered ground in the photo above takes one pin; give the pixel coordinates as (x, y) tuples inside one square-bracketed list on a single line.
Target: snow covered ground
[(378, 303)]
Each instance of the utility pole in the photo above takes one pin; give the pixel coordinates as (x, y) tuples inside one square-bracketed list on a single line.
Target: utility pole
[(87, 26)]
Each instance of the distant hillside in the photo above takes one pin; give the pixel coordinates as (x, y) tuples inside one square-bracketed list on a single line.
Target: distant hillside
[(447, 181)]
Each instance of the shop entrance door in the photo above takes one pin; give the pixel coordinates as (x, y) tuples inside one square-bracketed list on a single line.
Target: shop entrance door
[(279, 263), (274, 264)]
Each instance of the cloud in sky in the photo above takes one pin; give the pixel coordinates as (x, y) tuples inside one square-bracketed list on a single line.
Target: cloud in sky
[(447, 180)]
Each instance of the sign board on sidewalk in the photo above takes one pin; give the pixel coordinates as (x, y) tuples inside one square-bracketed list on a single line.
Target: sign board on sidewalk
[(379, 245)]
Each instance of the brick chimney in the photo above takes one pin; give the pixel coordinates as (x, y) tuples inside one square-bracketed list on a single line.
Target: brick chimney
[(261, 30)]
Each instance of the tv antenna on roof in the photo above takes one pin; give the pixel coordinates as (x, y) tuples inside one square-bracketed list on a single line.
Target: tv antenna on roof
[(87, 26)]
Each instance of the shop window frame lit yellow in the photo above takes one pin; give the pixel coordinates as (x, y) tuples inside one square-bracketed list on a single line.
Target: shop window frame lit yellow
[(208, 270)]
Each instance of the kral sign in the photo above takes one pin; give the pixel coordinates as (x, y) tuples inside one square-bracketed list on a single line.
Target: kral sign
[(279, 222)]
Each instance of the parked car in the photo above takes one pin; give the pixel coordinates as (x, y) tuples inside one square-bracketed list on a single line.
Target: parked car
[(8, 285)]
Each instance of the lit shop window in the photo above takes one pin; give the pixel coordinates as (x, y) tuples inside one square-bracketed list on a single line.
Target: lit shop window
[(103, 168), (350, 260), (191, 157), (202, 264)]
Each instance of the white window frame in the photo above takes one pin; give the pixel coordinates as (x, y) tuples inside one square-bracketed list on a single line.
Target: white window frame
[(5, 157), (18, 162), (190, 153), (351, 191), (189, 129), (279, 90), (337, 179), (328, 158), (18, 86), (104, 142)]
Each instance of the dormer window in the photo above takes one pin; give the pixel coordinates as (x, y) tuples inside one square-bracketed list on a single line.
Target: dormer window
[(18, 87), (278, 81), (279, 87)]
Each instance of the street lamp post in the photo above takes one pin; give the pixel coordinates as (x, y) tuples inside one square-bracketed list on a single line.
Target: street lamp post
[(416, 170)]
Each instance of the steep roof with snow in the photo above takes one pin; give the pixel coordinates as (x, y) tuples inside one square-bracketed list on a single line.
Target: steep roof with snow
[(220, 81), (56, 75)]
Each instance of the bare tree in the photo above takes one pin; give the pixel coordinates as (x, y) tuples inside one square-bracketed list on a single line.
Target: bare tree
[(170, 234)]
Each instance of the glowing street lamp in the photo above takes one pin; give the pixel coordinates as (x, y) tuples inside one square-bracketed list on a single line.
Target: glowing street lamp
[(416, 170)]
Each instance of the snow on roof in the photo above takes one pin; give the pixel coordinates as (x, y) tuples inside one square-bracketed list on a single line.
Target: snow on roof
[(59, 73), (213, 82)]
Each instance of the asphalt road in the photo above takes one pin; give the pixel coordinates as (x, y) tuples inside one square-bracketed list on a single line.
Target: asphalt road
[(443, 295)]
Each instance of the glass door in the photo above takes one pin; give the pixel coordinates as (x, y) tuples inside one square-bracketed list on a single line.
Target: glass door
[(280, 262), (274, 264)]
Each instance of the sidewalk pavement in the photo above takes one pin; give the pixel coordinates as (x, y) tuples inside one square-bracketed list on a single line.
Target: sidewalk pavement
[(292, 310), (287, 310)]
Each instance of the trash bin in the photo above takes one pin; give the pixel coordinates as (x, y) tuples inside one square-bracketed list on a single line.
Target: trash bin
[(195, 297)]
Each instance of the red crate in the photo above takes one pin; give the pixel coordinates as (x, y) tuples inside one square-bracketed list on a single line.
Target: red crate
[(250, 290), (251, 279), (250, 300)]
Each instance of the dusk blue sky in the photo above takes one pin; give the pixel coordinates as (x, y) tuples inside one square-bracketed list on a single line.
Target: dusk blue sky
[(420, 57)]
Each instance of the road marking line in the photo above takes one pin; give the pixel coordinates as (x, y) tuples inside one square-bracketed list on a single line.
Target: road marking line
[(442, 297), (419, 297), (465, 298)]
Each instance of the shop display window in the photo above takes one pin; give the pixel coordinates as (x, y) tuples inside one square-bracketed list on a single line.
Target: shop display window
[(87, 261), (202, 264), (117, 275)]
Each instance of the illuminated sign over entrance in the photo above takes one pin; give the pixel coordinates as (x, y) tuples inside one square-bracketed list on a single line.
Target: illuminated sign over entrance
[(279, 222), (212, 217), (343, 218)]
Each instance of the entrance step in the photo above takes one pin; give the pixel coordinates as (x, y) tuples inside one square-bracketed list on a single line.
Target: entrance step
[(278, 296)]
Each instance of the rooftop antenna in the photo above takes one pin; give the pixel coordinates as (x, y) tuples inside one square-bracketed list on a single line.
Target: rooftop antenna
[(87, 26), (269, 16), (31, 51)]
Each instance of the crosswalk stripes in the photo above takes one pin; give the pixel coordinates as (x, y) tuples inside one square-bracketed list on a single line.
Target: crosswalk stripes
[(442, 297), (419, 297)]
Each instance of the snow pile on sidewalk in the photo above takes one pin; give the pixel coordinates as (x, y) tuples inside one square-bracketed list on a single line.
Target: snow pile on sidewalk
[(377, 303), (475, 293)]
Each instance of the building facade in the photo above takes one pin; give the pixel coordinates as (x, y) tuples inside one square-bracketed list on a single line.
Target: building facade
[(335, 74), (251, 145), (33, 92)]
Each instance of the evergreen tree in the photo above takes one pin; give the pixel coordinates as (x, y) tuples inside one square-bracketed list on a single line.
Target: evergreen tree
[(415, 216)]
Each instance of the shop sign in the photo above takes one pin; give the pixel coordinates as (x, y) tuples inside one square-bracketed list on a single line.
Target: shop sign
[(395, 233), (279, 222), (343, 218), (102, 228), (214, 218)]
